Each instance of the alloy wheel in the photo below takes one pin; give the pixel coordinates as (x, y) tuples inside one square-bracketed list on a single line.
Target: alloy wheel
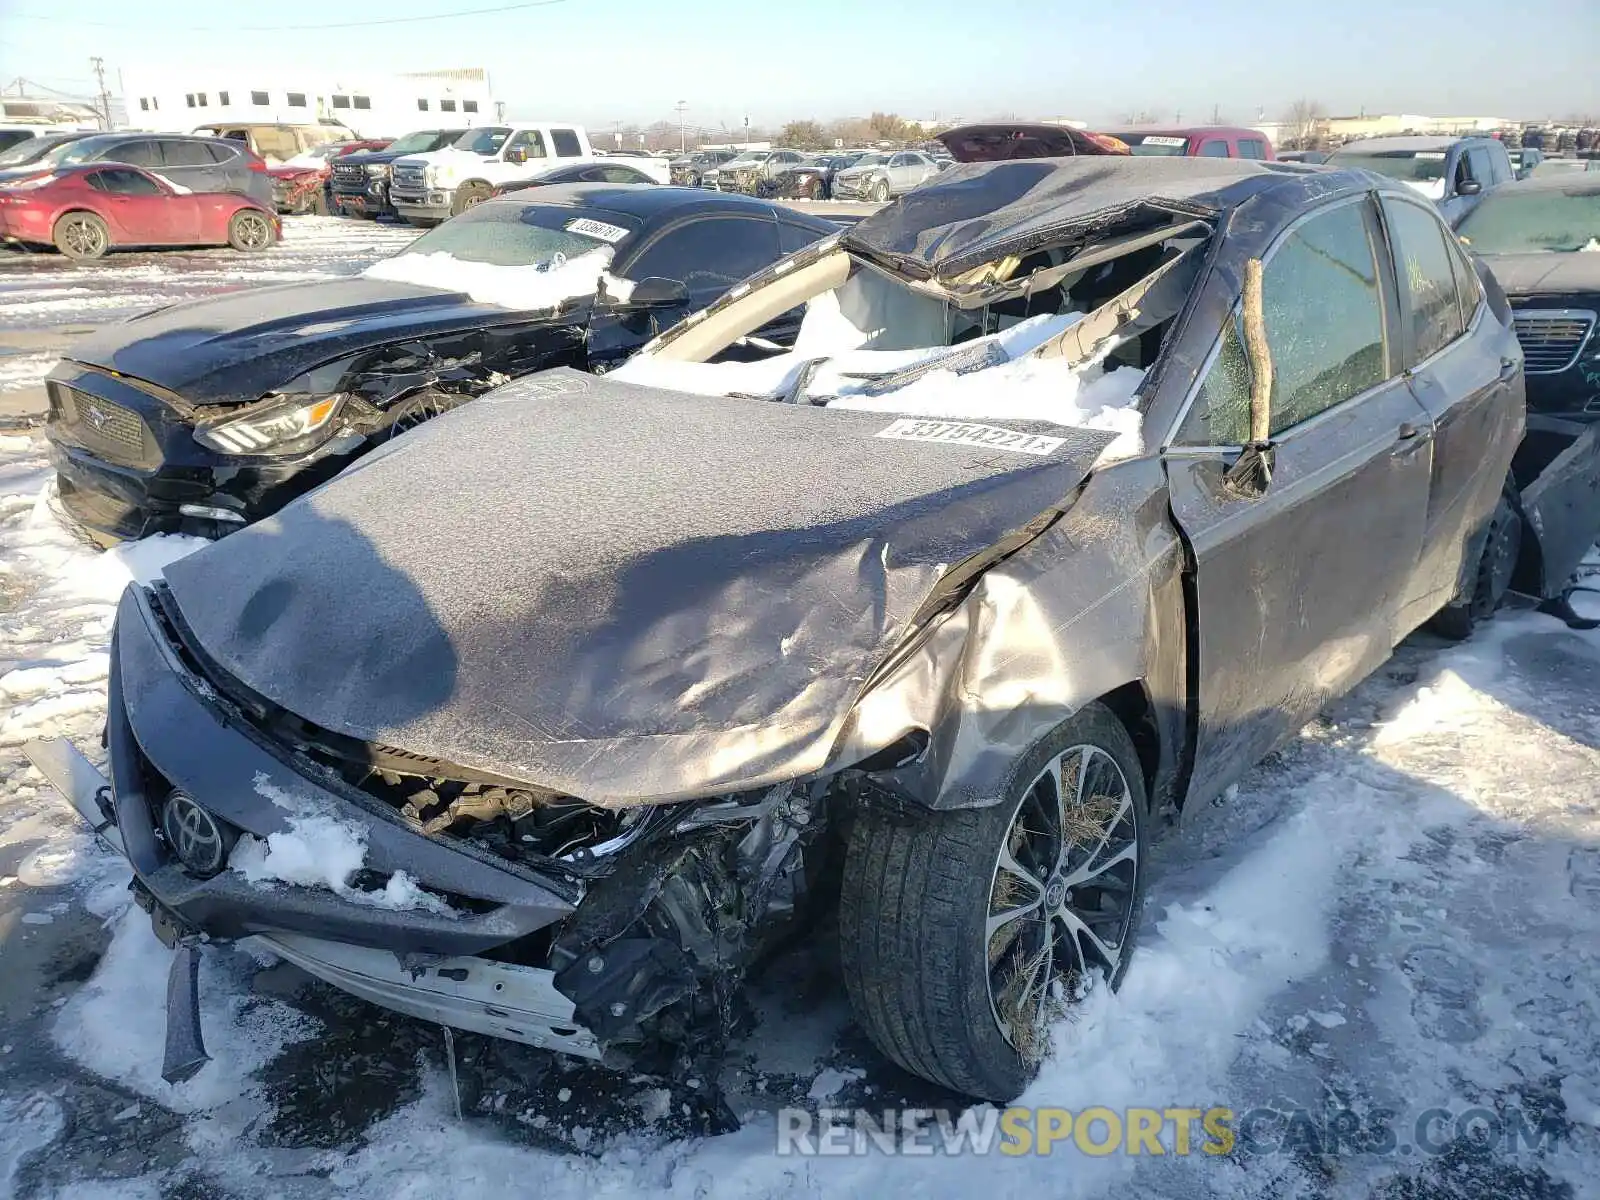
[(84, 238), (1062, 894), (253, 232)]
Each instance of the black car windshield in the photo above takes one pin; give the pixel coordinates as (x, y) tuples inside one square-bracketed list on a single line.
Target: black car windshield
[(32, 150), (487, 140), (68, 153), (508, 234), (1531, 222), (1408, 166)]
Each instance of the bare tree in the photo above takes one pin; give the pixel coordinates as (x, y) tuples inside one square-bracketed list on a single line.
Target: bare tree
[(1307, 125), (803, 135)]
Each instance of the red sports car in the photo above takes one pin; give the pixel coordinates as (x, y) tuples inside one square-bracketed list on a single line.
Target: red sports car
[(84, 211)]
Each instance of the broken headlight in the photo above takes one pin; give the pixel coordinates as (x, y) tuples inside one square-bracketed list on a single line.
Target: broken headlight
[(279, 425)]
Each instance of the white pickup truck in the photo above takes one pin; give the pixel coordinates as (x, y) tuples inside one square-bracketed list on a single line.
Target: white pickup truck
[(427, 188)]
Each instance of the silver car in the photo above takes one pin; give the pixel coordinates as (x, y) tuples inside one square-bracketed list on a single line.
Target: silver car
[(884, 176)]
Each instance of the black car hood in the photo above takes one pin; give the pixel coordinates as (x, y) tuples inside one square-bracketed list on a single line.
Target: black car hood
[(622, 593), (231, 349), (1529, 274)]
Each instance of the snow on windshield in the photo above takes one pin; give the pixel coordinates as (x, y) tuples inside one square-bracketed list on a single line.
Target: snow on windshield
[(533, 286), (1019, 386)]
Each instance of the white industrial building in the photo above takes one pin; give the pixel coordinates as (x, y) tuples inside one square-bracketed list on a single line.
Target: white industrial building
[(367, 104)]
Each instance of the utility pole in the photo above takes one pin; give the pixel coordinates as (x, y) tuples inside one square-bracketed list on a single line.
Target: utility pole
[(99, 65), (1216, 114), (683, 135)]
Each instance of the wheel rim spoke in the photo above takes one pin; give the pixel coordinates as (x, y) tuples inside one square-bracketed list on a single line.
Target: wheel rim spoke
[(1092, 870), (1076, 929)]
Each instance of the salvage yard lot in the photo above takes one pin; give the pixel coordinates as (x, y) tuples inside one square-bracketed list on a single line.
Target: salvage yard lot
[(1399, 912)]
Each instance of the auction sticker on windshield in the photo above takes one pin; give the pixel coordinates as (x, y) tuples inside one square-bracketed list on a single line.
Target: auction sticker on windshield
[(596, 229), (1156, 140), (964, 433)]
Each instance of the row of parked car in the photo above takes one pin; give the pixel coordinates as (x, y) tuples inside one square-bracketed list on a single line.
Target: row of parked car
[(697, 551)]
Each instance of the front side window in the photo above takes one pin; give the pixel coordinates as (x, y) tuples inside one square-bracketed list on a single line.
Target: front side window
[(1324, 316), (530, 142), (566, 143), (1422, 264), (713, 253), (123, 183)]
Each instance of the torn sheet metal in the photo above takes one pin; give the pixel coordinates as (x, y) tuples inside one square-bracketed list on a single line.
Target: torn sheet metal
[(675, 595)]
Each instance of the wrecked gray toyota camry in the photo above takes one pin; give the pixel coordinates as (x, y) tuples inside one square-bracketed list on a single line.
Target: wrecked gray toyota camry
[(1085, 484)]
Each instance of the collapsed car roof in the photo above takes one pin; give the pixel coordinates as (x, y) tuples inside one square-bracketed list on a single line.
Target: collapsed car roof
[(974, 213)]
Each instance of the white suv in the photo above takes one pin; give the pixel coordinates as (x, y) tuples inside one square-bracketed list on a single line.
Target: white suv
[(427, 188)]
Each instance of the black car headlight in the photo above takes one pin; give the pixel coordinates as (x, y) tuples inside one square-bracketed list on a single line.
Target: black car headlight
[(278, 425)]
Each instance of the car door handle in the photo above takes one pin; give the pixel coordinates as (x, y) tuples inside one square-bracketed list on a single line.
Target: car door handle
[(1509, 367), (1409, 431), (1411, 439)]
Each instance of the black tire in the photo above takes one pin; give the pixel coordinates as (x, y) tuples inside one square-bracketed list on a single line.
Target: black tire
[(250, 231), (880, 191), (917, 895), (1491, 578), (81, 236), (469, 195)]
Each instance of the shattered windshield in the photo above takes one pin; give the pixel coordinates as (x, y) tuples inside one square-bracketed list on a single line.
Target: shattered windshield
[(487, 140), (1508, 222), (519, 235)]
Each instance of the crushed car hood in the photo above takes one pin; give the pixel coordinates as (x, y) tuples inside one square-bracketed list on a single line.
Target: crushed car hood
[(1527, 274), (618, 592), (231, 349)]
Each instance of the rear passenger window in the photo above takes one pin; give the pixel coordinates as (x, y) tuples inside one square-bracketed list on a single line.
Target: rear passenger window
[(566, 143), (1214, 149), (1422, 262), (1324, 318), (141, 153), (186, 154)]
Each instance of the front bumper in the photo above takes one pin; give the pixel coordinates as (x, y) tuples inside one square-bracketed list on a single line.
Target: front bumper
[(166, 728), (372, 198), (431, 205), (127, 464)]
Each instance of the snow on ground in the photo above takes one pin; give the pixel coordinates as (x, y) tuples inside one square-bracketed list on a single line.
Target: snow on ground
[(1401, 911)]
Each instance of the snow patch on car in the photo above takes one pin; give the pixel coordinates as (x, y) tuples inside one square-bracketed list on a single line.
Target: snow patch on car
[(526, 288), (1023, 388)]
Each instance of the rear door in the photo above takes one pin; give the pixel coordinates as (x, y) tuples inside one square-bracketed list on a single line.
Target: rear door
[(1297, 590), (189, 163), (1465, 368)]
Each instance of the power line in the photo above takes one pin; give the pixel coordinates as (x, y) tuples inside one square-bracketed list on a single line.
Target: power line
[(471, 12)]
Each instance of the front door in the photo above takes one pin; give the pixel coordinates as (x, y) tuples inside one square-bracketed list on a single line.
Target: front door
[(1297, 590)]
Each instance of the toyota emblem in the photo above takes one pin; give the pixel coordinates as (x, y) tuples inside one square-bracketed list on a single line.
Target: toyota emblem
[(194, 835)]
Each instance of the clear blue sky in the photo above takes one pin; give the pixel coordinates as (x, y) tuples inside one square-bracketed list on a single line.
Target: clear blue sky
[(630, 60)]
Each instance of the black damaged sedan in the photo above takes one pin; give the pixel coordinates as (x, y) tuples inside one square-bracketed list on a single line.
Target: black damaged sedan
[(207, 415)]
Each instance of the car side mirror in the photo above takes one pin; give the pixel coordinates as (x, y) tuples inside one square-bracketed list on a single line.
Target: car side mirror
[(518, 155), (1468, 187), (656, 292)]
